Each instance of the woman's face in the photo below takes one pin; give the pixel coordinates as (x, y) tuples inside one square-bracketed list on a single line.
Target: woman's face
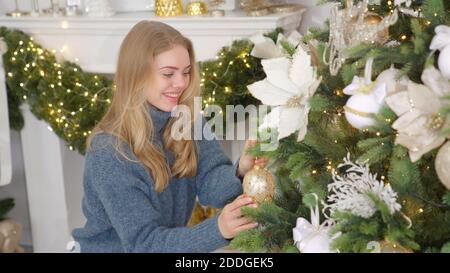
[(172, 74)]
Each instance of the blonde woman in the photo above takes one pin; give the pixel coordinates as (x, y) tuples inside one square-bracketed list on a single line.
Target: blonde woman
[(140, 184)]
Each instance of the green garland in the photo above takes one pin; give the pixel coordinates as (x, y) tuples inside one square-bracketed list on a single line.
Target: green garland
[(72, 101), (68, 99)]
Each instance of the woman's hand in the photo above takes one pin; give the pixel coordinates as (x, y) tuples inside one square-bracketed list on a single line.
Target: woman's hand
[(231, 221), (247, 161)]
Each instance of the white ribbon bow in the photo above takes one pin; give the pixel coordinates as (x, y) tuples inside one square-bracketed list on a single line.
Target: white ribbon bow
[(441, 39), (313, 237), (441, 42), (365, 85)]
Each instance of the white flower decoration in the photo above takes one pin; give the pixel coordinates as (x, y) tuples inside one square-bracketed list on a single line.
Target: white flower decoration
[(265, 48), (289, 85), (350, 192), (418, 107)]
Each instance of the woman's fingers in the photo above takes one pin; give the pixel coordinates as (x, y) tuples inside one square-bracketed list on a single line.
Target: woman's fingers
[(246, 227), (231, 221), (237, 212), (242, 196), (261, 161), (239, 202), (242, 221)]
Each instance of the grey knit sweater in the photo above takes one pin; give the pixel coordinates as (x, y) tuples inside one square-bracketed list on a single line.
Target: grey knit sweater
[(125, 214)]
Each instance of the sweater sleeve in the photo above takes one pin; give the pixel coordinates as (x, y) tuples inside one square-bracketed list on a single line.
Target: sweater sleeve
[(217, 182), (133, 209)]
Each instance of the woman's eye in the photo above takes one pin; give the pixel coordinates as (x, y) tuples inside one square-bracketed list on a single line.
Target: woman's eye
[(169, 75)]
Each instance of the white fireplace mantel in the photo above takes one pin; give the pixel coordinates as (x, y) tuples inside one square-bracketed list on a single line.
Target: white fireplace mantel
[(70, 36), (53, 173)]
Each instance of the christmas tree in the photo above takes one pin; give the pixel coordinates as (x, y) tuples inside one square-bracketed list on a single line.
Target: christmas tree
[(363, 130)]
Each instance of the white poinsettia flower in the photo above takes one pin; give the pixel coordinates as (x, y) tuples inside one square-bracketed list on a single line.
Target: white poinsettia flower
[(417, 105), (265, 48), (288, 86)]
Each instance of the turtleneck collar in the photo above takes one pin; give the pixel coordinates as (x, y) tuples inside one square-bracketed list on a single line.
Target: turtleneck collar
[(159, 117)]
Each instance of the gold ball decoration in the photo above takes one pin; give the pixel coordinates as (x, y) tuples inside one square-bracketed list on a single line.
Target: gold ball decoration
[(372, 19), (167, 8), (259, 184), (390, 247), (196, 8), (442, 165)]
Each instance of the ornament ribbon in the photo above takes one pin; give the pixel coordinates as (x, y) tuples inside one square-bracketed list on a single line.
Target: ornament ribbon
[(441, 39)]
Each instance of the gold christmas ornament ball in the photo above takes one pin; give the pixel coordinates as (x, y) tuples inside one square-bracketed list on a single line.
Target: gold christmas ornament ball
[(390, 247), (167, 8), (442, 165), (372, 19), (259, 184), (196, 8)]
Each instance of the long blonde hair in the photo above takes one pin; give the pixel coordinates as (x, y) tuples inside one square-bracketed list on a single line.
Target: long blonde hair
[(128, 116)]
